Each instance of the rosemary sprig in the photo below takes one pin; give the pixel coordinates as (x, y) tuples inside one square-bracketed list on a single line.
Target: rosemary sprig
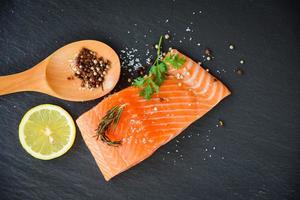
[(109, 121)]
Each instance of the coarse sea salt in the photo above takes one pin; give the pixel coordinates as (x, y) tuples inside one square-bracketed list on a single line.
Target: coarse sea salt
[(130, 59)]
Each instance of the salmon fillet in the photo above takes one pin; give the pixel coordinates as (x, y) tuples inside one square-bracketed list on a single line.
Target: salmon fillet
[(144, 125)]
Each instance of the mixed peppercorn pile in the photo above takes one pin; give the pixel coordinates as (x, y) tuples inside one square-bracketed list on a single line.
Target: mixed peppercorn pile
[(90, 69)]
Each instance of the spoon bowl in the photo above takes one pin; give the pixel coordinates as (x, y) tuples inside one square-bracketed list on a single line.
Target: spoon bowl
[(51, 76)]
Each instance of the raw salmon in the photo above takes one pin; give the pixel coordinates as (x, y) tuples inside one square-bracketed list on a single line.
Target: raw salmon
[(144, 126)]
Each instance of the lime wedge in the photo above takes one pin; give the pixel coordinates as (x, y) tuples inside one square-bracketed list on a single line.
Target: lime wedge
[(47, 131)]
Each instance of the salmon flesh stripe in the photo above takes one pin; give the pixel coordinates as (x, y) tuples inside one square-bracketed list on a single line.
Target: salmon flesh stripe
[(145, 125)]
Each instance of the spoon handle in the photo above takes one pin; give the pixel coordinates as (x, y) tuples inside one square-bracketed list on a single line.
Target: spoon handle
[(29, 80)]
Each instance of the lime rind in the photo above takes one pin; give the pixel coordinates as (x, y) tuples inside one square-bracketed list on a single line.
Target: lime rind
[(38, 151)]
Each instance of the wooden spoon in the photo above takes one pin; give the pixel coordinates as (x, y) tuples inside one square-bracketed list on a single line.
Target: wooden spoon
[(51, 75)]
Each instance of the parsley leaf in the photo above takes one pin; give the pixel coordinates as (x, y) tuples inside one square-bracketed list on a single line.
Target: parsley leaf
[(175, 60), (147, 92), (150, 84), (139, 82), (159, 72)]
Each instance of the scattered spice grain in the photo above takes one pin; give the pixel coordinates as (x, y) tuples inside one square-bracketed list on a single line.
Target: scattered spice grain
[(239, 71), (221, 123)]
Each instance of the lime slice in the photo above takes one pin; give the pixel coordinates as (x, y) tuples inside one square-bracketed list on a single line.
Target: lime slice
[(47, 131)]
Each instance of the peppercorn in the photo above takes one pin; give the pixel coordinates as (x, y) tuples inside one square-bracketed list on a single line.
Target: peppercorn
[(90, 69), (239, 71), (221, 123), (207, 52)]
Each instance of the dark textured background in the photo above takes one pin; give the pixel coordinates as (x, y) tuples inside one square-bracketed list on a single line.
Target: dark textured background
[(256, 154)]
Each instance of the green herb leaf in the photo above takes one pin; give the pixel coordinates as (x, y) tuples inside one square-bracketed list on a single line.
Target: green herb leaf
[(147, 92), (154, 85), (175, 60), (139, 82), (150, 84), (159, 72)]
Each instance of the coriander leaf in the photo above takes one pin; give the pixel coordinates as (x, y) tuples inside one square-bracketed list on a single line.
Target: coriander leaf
[(153, 70), (163, 67), (159, 72), (139, 82), (150, 84), (175, 60), (147, 92), (155, 87)]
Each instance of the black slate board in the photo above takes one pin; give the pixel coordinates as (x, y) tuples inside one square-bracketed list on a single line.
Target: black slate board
[(256, 154)]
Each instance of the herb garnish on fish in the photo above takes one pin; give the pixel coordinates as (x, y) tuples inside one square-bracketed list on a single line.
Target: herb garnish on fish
[(175, 61), (149, 84), (110, 120)]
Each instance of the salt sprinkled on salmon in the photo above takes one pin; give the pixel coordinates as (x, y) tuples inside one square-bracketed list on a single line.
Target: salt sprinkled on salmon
[(146, 125)]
